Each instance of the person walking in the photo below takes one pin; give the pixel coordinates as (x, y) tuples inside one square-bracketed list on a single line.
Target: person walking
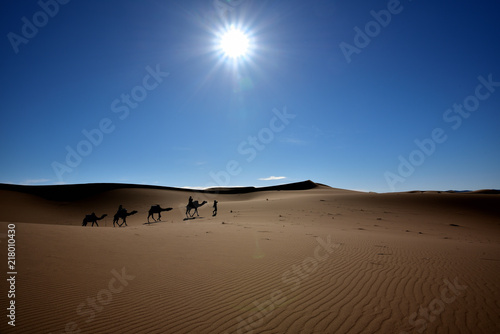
[(214, 213)]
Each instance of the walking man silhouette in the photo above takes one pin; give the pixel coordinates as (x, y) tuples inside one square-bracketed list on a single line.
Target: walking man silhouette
[(215, 209)]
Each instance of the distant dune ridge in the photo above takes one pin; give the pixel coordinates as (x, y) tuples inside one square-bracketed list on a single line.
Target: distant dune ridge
[(294, 258), (78, 191)]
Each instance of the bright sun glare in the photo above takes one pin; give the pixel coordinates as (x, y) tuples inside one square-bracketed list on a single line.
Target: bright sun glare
[(234, 43)]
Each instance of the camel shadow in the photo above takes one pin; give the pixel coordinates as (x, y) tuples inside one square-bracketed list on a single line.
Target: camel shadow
[(153, 222), (192, 218)]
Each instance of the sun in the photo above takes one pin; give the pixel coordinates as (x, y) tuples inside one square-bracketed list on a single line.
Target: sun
[(234, 43)]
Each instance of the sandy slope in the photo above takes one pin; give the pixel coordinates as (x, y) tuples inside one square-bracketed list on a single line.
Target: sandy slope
[(318, 260)]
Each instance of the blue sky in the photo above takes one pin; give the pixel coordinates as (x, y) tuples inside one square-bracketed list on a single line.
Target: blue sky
[(368, 95)]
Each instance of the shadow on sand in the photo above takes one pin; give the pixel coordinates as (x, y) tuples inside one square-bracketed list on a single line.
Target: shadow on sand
[(192, 218), (156, 221)]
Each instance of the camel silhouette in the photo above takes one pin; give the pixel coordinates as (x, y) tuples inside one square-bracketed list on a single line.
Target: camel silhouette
[(92, 218), (123, 214), (194, 205), (156, 209)]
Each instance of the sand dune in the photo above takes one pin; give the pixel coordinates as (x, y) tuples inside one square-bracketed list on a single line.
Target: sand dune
[(299, 258)]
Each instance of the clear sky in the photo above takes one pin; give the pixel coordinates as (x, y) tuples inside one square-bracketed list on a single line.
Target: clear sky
[(366, 95)]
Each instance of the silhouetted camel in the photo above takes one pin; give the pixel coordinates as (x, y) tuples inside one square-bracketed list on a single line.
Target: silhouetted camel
[(156, 209), (123, 214), (92, 218), (195, 205)]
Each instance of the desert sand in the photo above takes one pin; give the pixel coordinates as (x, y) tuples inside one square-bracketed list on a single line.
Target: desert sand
[(300, 258)]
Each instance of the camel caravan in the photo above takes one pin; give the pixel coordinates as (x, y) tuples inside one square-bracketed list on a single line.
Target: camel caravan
[(122, 213)]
